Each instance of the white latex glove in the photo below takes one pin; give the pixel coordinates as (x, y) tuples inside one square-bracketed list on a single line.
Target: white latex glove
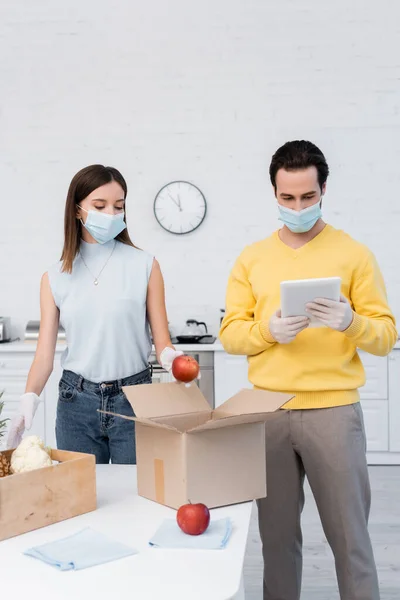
[(167, 357), (284, 330), (28, 404), (336, 315)]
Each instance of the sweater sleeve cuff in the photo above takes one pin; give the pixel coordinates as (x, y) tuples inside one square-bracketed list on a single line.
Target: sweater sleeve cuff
[(355, 327), (265, 332)]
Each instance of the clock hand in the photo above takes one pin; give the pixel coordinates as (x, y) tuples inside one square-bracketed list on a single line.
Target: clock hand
[(174, 201)]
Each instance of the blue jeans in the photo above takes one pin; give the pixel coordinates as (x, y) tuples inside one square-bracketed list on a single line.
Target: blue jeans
[(81, 428)]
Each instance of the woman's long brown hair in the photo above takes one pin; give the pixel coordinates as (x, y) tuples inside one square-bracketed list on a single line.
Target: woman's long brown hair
[(84, 183)]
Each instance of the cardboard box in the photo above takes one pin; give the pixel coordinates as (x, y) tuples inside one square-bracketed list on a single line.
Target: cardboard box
[(187, 452), (45, 496)]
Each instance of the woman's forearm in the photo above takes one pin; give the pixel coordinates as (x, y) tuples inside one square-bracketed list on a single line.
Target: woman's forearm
[(38, 376)]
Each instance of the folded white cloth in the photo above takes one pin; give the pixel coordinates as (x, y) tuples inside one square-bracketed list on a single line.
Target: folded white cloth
[(216, 537), (84, 549)]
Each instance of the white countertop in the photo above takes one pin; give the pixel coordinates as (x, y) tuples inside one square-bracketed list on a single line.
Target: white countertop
[(31, 347), (215, 347), (150, 574)]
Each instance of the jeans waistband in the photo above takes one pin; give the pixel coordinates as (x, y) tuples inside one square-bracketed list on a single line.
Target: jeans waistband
[(82, 384)]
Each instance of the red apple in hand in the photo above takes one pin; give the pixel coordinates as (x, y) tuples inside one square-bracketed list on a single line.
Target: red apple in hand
[(193, 519), (185, 368)]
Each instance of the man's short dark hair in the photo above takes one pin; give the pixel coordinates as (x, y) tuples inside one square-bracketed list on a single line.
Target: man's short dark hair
[(298, 155)]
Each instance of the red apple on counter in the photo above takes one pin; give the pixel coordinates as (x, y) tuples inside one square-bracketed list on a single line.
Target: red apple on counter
[(193, 519), (185, 368)]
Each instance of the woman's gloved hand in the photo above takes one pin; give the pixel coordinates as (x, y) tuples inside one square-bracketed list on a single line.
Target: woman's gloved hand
[(28, 404), (167, 357)]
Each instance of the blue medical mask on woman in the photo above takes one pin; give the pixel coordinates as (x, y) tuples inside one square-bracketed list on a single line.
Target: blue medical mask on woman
[(103, 227), (300, 221)]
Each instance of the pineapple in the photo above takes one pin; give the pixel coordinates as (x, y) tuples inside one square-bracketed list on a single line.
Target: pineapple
[(5, 468)]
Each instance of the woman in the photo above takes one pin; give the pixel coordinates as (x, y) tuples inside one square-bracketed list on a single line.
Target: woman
[(107, 294)]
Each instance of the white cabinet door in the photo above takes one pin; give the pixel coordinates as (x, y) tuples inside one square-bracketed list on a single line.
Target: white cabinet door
[(13, 388), (376, 372), (162, 377), (394, 401), (374, 400), (230, 376), (50, 394), (376, 420), (14, 369), (15, 364)]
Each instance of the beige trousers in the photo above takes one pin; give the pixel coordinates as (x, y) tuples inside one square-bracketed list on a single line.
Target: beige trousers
[(328, 447)]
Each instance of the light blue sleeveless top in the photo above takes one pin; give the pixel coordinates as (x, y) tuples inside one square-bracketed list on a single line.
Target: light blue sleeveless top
[(106, 326)]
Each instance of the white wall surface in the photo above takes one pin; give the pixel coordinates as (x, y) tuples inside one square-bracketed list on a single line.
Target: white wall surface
[(201, 91)]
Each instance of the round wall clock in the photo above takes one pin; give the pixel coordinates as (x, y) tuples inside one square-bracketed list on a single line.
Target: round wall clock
[(180, 207)]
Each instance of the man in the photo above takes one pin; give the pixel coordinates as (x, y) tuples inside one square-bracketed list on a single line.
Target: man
[(320, 432)]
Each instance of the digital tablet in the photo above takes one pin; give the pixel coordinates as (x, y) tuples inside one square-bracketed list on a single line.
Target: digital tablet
[(295, 294)]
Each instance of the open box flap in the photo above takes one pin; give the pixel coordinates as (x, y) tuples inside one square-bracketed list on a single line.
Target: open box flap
[(252, 402), (142, 420), (165, 399), (184, 423), (230, 422)]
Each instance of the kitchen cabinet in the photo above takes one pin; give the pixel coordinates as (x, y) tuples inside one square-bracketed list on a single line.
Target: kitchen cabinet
[(375, 402), (230, 376), (15, 362), (380, 399), (376, 420), (394, 401)]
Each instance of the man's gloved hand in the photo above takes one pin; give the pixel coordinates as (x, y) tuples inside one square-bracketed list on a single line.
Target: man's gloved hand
[(284, 330), (336, 315), (167, 357), (28, 404)]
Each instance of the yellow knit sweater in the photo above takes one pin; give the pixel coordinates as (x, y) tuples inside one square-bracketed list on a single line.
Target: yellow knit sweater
[(321, 366)]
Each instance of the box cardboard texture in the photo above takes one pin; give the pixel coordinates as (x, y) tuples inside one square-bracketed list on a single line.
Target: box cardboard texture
[(188, 452), (45, 496)]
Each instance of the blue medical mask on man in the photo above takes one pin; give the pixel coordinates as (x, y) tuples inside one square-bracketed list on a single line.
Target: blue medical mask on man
[(103, 227), (300, 221)]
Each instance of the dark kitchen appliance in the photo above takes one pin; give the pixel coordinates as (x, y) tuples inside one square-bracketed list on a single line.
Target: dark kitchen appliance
[(195, 332)]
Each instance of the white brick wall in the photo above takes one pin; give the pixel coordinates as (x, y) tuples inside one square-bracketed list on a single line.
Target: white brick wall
[(202, 91)]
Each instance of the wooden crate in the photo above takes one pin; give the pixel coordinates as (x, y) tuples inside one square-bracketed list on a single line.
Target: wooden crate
[(45, 496)]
